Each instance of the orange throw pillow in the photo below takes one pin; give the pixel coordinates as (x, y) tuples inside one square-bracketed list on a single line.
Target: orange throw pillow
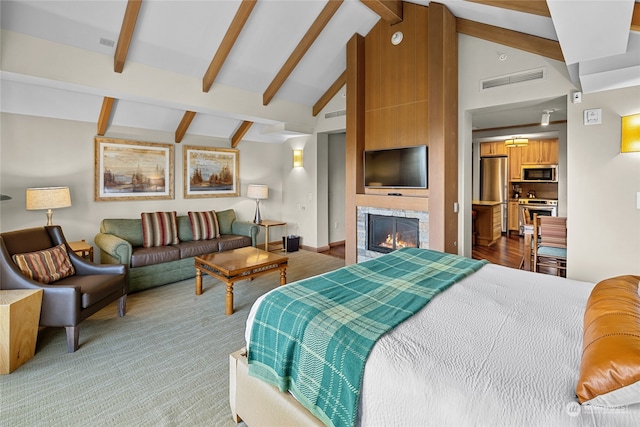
[(610, 366)]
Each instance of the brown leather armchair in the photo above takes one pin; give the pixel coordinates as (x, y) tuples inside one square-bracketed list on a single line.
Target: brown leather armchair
[(70, 300)]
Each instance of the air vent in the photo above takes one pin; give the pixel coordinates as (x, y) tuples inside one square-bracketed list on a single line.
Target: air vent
[(335, 114), (511, 79), (107, 42)]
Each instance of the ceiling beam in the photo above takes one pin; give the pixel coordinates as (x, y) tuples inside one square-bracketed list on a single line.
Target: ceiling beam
[(105, 114), (533, 44), (242, 130), (389, 10), (184, 125), (126, 33), (635, 18), (313, 32), (536, 7), (239, 20), (330, 93)]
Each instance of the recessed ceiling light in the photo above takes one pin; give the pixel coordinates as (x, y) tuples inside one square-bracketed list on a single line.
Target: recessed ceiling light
[(396, 38)]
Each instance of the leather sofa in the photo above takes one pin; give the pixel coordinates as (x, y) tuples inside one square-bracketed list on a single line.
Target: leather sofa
[(120, 241)]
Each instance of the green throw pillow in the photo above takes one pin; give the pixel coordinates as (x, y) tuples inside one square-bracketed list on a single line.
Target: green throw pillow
[(184, 229), (127, 229), (225, 219)]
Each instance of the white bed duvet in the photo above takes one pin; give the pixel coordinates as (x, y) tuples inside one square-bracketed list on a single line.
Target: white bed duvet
[(501, 347)]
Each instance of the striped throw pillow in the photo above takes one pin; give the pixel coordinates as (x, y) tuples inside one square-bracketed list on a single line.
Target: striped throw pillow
[(45, 266), (159, 229), (204, 225)]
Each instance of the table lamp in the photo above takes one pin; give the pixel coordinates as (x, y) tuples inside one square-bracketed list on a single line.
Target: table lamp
[(258, 192), (48, 198)]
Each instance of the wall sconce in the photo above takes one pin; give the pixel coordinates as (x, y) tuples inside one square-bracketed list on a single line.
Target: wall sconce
[(297, 159), (516, 142), (48, 198), (630, 140), (546, 115)]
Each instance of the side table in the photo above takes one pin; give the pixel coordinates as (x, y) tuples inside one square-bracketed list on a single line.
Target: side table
[(82, 248), (19, 319), (266, 224)]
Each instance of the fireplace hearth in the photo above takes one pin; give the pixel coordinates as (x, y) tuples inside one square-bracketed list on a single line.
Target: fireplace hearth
[(388, 233), (362, 243)]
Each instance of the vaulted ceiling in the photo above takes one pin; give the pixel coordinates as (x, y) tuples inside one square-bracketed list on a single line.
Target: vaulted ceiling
[(274, 63)]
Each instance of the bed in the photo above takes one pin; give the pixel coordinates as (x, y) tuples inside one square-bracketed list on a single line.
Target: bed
[(499, 346)]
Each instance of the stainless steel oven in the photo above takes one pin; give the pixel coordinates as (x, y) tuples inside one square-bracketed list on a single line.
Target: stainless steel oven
[(541, 207)]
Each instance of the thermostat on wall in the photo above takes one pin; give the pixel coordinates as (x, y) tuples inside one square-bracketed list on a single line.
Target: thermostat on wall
[(593, 116)]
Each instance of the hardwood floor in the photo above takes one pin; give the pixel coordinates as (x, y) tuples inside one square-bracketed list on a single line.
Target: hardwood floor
[(335, 250), (506, 251)]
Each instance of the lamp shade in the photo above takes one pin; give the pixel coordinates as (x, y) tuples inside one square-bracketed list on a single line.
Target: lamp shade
[(257, 191), (48, 198)]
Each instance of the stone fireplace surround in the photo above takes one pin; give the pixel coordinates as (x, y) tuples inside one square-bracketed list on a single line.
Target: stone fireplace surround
[(362, 227)]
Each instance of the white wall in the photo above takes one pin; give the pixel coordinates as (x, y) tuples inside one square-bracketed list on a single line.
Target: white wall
[(299, 188), (604, 226), (36, 151), (603, 220), (305, 190), (41, 152), (337, 190)]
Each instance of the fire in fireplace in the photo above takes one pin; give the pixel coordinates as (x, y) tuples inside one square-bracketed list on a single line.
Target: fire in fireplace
[(388, 233)]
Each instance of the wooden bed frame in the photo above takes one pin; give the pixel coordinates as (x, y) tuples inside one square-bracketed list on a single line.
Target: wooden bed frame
[(260, 404)]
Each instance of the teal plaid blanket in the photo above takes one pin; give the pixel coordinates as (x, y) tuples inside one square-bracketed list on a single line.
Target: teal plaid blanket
[(312, 337)]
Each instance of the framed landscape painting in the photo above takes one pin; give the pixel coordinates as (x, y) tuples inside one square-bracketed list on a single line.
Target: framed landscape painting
[(210, 172), (132, 170)]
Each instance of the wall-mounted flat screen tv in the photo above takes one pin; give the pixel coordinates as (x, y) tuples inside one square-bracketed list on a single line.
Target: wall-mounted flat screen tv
[(404, 167)]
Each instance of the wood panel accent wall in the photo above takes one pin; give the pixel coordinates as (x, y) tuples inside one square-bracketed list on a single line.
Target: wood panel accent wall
[(354, 176), (405, 95), (397, 82), (443, 129)]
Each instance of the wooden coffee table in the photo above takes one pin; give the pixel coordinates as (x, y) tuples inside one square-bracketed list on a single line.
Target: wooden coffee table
[(238, 264)]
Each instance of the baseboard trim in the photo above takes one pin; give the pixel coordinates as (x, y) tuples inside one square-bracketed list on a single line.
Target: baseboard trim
[(312, 248)]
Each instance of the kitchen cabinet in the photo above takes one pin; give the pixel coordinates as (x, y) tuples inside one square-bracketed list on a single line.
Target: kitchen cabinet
[(488, 222), (515, 161), (540, 152), (490, 149), (512, 217)]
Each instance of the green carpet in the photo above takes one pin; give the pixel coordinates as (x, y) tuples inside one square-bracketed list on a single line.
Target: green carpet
[(164, 364)]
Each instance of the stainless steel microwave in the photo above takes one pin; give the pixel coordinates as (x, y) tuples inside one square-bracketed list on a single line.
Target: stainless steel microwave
[(539, 173)]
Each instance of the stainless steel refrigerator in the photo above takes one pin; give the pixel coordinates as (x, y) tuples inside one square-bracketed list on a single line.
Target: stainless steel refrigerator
[(494, 183)]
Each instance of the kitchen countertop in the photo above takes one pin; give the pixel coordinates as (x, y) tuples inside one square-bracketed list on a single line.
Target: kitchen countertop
[(485, 202)]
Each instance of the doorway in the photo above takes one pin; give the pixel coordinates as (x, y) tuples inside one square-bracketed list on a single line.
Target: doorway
[(495, 125), (336, 187)]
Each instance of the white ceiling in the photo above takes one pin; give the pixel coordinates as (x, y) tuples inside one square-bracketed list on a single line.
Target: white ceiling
[(183, 36)]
